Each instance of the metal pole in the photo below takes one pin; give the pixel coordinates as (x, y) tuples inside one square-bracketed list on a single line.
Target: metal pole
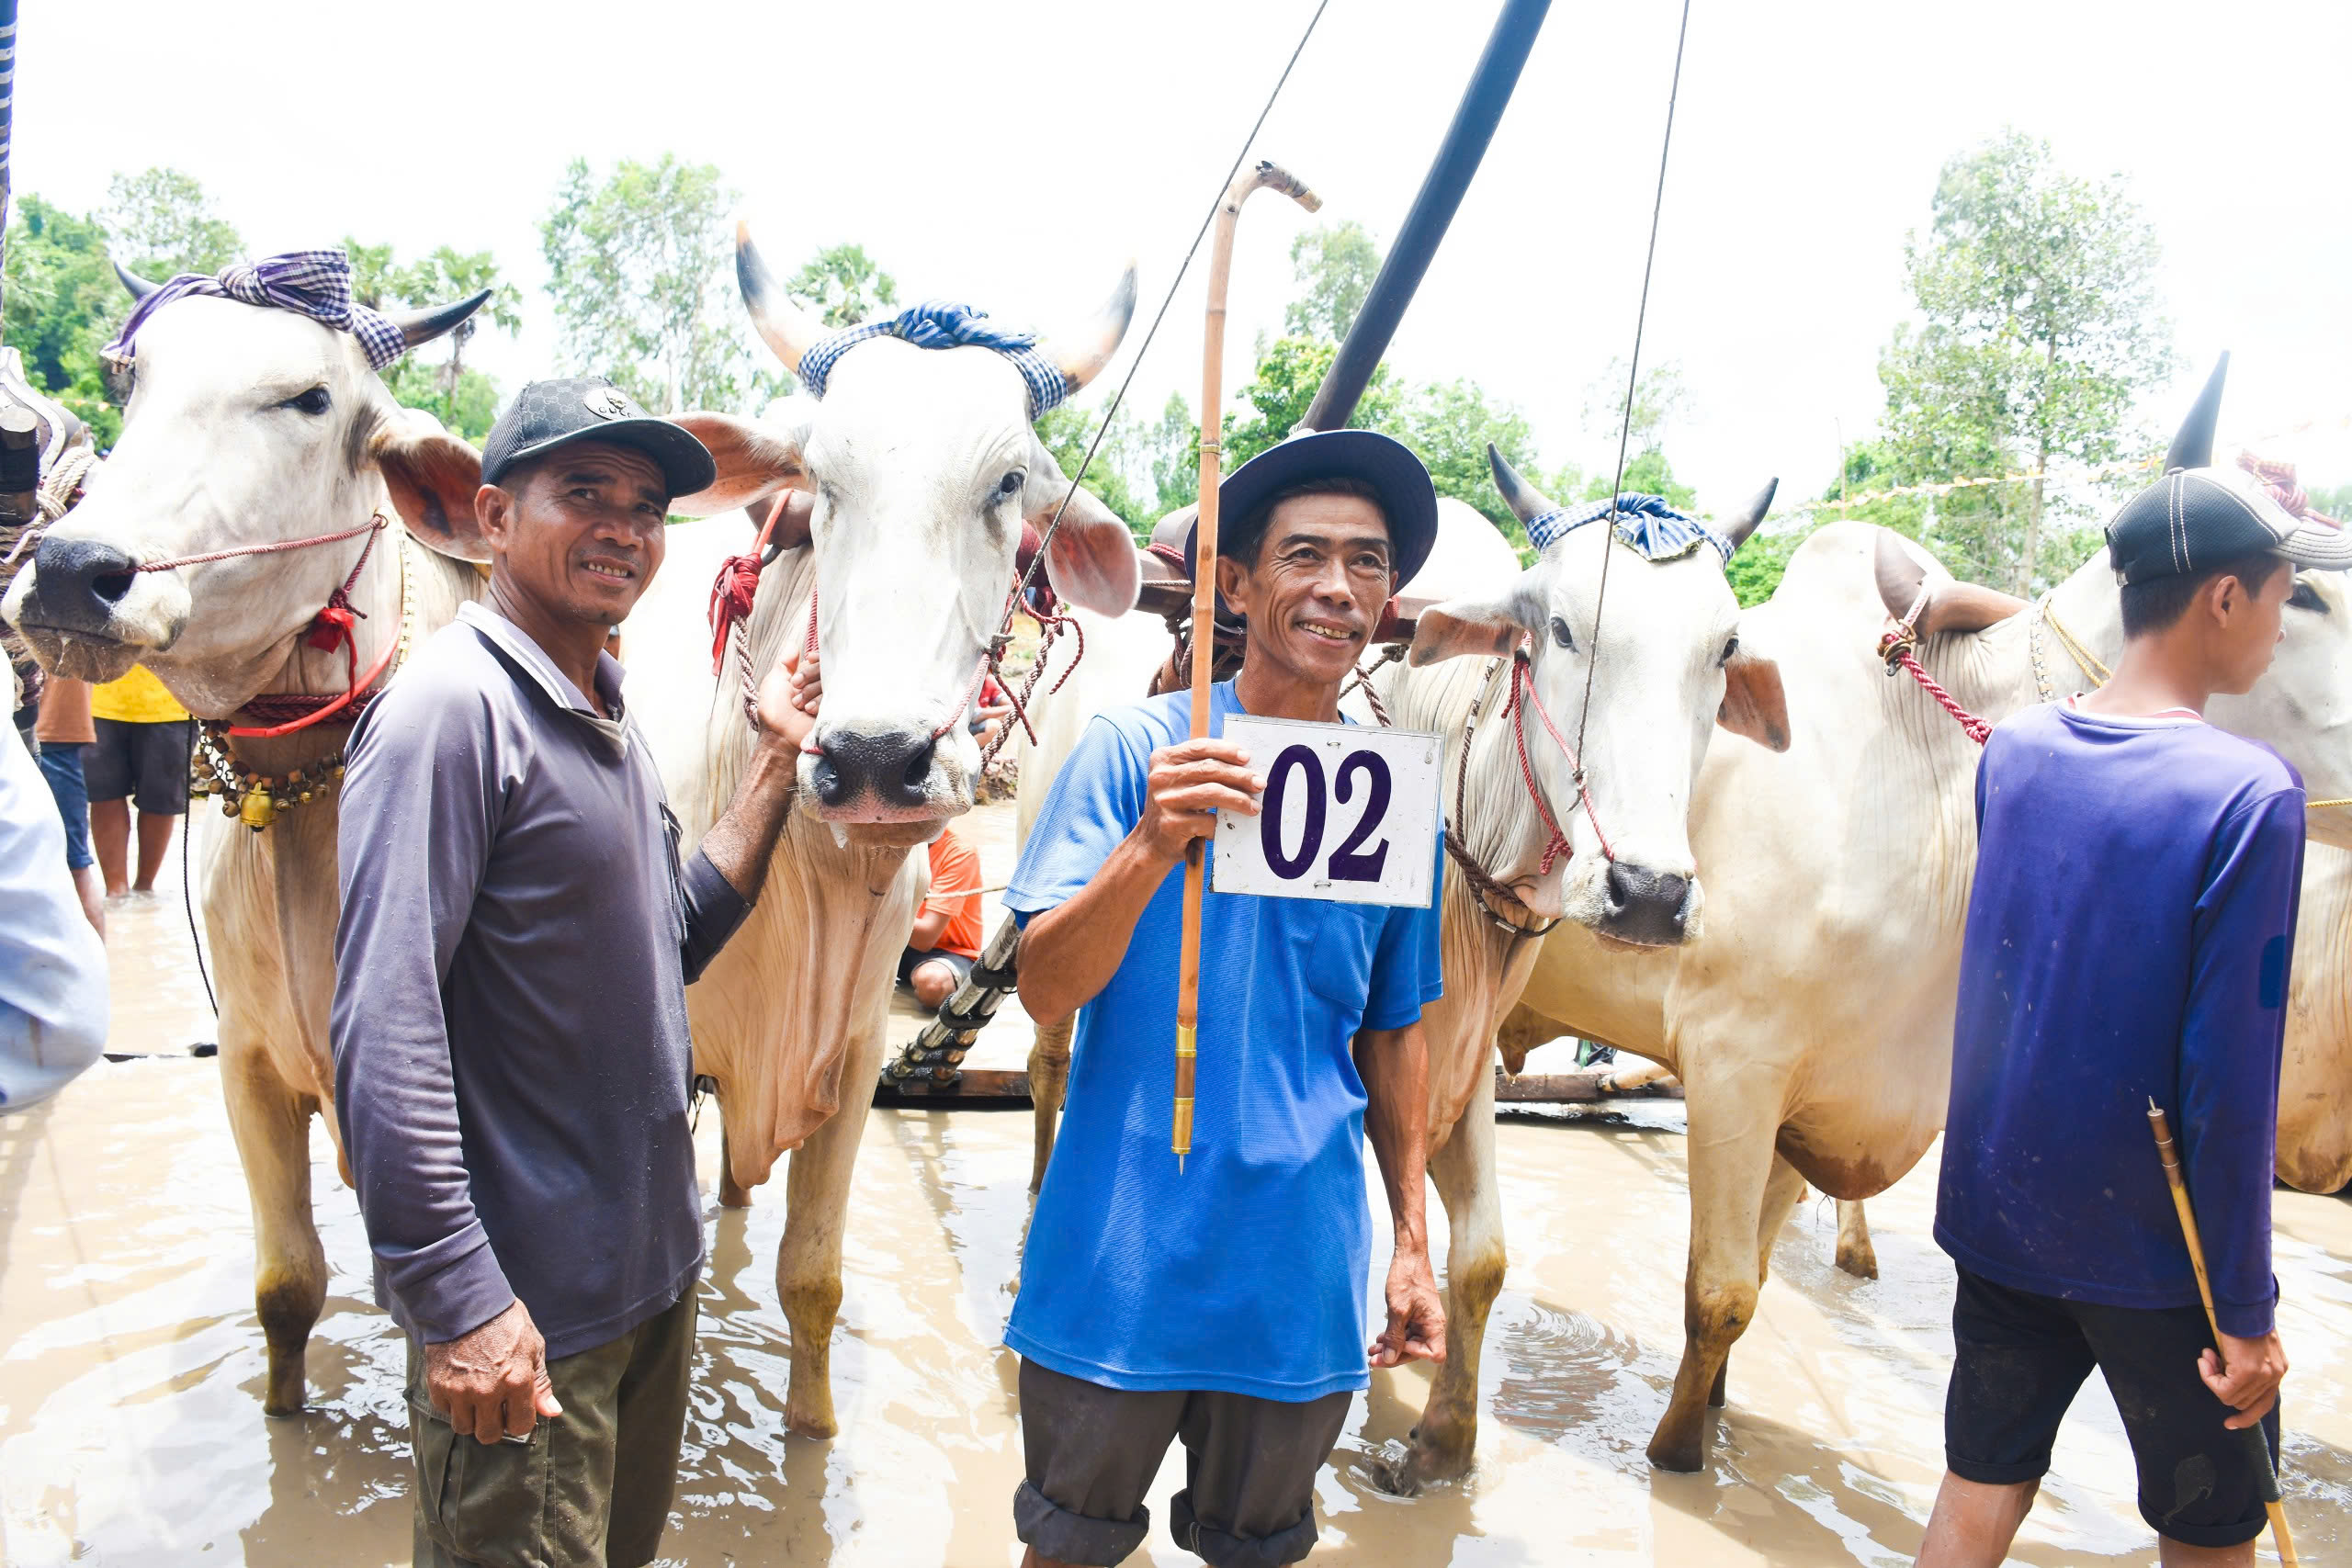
[(1483, 102), (8, 108)]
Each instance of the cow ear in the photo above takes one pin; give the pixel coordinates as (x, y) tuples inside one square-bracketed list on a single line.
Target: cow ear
[(1467, 625), (1091, 560), (755, 461), (432, 476), (1754, 702)]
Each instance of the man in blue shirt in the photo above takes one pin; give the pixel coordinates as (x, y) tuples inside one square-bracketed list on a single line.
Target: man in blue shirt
[(2128, 938), (1224, 1305)]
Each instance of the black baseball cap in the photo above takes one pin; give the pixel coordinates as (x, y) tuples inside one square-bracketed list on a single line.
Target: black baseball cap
[(1407, 498), (549, 415), (2199, 516)]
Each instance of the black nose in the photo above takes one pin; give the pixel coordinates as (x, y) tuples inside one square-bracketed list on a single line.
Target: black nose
[(1645, 907), (892, 767), (77, 583)]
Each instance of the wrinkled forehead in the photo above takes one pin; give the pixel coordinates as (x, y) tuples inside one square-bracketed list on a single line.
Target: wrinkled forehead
[(888, 400), (199, 343), (1333, 518)]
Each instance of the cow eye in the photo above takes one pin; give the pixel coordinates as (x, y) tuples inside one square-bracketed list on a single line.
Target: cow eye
[(315, 402), (1561, 635), (1010, 485), (2306, 597), (1731, 650)]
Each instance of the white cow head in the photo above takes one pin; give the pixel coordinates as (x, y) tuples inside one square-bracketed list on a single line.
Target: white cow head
[(1663, 667), (920, 467), (246, 424)]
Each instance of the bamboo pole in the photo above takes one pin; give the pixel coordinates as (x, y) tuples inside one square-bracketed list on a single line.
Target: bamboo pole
[(1204, 650), (2253, 1435)]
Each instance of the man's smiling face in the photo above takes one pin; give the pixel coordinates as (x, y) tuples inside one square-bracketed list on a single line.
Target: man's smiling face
[(581, 533), (1315, 593)]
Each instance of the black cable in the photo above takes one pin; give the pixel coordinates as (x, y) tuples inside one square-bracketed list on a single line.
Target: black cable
[(1632, 373), (187, 887)]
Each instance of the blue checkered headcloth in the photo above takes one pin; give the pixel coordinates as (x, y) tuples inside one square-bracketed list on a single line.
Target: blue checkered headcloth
[(1645, 523), (938, 323), (316, 283)]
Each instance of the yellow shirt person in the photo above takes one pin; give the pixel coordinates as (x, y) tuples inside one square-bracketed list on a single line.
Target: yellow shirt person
[(137, 698)]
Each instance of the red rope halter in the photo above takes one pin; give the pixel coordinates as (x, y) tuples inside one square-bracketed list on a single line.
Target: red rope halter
[(1898, 648), (1523, 696)]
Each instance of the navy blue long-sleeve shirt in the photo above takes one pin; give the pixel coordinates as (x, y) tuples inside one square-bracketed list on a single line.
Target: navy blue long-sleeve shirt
[(2129, 937), (512, 1062)]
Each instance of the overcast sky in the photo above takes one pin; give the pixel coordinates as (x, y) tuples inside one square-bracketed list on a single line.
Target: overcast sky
[(1015, 153)]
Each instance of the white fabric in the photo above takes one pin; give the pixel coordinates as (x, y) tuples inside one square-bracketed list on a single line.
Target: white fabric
[(52, 966)]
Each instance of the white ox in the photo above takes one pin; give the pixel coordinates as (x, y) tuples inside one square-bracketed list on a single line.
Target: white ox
[(1812, 1029), (2314, 1110), (921, 465)]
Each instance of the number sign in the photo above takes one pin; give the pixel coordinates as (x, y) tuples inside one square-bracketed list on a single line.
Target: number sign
[(1349, 814)]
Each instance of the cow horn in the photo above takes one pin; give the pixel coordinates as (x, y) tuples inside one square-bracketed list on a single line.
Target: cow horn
[(2193, 446), (1081, 355), (1744, 521), (788, 330), (424, 325), (140, 287), (1525, 501)]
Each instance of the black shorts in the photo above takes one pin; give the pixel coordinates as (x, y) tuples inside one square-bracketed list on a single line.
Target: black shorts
[(2019, 1358), (915, 958), (146, 763), (1249, 1470)]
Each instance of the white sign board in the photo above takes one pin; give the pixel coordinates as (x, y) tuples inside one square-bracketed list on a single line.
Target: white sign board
[(1349, 814)]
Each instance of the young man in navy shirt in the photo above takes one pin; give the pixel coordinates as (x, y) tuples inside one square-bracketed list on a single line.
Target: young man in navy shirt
[(1224, 1305), (2128, 938)]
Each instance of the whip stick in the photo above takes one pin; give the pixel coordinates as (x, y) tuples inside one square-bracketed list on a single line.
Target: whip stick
[(2253, 1435), (1204, 648)]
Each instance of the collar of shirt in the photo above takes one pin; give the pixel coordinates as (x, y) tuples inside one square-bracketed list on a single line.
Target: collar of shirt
[(532, 659)]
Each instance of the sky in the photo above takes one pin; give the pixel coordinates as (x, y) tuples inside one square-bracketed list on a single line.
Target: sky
[(1014, 154)]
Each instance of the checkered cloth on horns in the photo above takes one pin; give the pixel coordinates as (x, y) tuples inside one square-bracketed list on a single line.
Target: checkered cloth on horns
[(1644, 521), (316, 283), (936, 324)]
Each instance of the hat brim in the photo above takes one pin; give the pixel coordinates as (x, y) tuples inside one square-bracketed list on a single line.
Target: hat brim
[(2318, 545), (685, 463), (1407, 498)]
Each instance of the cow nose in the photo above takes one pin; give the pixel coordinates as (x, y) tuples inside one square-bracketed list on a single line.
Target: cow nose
[(1646, 907), (79, 581), (893, 767)]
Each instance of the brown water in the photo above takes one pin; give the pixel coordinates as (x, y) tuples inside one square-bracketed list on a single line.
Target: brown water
[(130, 1366)]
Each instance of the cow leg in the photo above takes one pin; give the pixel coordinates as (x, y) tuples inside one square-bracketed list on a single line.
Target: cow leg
[(1732, 1130), (1048, 1082), (1447, 1438), (809, 1266), (272, 1124), (1782, 1190), (1855, 1253)]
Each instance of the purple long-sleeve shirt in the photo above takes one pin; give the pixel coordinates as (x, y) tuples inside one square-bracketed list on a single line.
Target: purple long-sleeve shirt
[(511, 1065), (2129, 938)]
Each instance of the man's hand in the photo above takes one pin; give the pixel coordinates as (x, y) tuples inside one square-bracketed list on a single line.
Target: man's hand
[(2246, 1375), (787, 700), (493, 1381), (1416, 1330), (1190, 783)]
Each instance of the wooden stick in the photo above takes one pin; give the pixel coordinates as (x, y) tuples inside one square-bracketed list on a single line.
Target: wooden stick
[(1188, 967), (2271, 1504)]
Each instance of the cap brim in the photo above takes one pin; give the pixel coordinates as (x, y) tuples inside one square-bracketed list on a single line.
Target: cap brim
[(685, 463), (2319, 545)]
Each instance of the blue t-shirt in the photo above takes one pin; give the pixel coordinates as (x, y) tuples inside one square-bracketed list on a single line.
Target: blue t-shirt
[(2129, 936), (1244, 1274)]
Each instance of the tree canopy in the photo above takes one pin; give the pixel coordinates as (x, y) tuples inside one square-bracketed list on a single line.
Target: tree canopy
[(1334, 266), (461, 398), (844, 286)]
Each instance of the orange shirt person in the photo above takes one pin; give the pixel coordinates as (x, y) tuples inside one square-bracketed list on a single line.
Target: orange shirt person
[(945, 942)]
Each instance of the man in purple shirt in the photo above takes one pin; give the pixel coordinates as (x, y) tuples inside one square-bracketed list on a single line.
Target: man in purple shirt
[(512, 1062), (2128, 940)]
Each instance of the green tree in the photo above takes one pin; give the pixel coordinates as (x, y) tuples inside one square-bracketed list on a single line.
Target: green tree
[(1334, 266), (1284, 383), (2336, 502), (1646, 473), (63, 304), (435, 379), (1065, 431), (1659, 398), (844, 286), (638, 275), (1174, 447), (1754, 572), (1449, 424), (2038, 329), (160, 223)]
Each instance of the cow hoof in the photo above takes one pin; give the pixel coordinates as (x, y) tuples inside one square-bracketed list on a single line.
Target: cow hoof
[(1435, 1461), (1685, 1456), (731, 1196), (1861, 1262), (287, 1397), (821, 1429)]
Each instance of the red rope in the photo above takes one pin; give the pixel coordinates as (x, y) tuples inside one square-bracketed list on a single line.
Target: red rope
[(330, 627), (1523, 694), (1976, 727), (268, 549), (735, 588)]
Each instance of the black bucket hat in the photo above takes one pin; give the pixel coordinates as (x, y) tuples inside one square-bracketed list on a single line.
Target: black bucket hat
[(1408, 499), (549, 415)]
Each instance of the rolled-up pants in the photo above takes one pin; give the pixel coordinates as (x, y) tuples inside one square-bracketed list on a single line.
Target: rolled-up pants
[(592, 1485)]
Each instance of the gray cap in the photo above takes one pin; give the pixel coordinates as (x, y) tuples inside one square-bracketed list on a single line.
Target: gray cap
[(549, 415)]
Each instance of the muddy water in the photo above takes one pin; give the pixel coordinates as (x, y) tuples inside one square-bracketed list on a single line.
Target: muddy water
[(130, 1366)]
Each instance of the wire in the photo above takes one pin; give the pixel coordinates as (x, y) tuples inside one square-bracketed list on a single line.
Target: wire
[(188, 895), (1021, 593), (1633, 374)]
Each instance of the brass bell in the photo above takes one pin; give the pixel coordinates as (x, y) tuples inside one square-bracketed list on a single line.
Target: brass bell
[(304, 797), (260, 811)]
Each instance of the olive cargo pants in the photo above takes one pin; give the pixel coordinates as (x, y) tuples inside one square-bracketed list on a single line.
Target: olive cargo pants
[(591, 1488)]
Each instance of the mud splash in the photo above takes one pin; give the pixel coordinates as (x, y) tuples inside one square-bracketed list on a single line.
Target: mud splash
[(131, 1368)]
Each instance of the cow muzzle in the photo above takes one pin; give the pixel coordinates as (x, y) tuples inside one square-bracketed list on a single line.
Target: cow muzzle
[(88, 612), (884, 774), (1646, 908)]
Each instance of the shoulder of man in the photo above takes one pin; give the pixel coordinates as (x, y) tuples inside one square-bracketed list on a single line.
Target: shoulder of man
[(448, 682)]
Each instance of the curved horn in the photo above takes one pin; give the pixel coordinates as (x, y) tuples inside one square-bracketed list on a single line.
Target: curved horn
[(423, 326), (140, 287), (1081, 355), (784, 327), (2193, 446), (1741, 523), (1524, 499)]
